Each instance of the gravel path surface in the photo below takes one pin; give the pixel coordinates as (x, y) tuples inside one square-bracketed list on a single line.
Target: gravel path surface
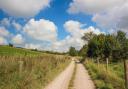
[(62, 81), (82, 79)]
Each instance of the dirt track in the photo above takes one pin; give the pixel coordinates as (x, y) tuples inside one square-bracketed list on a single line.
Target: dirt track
[(62, 81), (82, 79)]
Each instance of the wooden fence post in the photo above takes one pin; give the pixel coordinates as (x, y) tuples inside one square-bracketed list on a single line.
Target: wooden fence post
[(126, 73), (106, 63), (20, 67)]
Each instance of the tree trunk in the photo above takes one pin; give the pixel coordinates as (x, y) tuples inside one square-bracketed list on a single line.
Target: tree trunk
[(126, 73), (106, 63)]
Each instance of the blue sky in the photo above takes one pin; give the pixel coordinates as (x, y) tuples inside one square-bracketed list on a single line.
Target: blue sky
[(57, 24), (57, 12)]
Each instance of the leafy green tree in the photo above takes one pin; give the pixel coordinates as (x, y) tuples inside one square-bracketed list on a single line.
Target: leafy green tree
[(73, 51), (10, 45), (109, 45), (95, 46), (120, 50), (121, 38), (101, 47), (88, 36), (83, 51)]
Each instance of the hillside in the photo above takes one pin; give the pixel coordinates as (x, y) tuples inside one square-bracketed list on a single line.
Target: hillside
[(12, 51), (26, 69)]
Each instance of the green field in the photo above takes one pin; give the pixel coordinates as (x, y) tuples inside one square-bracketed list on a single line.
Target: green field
[(26, 69), (113, 78), (11, 51)]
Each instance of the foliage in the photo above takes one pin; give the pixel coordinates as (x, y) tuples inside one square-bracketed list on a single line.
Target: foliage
[(114, 47), (109, 44), (106, 46), (121, 52), (121, 37), (88, 36), (73, 51), (10, 45), (95, 46), (83, 51)]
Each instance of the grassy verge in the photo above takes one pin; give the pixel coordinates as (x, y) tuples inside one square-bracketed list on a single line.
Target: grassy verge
[(25, 69), (72, 79), (113, 78)]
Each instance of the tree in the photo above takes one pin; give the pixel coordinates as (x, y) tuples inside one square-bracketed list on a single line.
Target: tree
[(88, 36), (101, 46), (109, 45), (95, 47), (121, 37), (73, 51), (83, 51), (10, 45)]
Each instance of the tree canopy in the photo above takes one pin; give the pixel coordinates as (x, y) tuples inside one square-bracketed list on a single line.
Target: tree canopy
[(106, 46), (73, 51)]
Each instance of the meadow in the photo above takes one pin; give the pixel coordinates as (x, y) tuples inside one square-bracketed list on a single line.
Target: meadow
[(12, 51), (26, 69), (111, 78)]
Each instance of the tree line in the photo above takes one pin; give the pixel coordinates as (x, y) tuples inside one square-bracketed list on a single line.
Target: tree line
[(103, 46)]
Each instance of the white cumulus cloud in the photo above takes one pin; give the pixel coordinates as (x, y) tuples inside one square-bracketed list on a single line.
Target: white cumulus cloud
[(5, 22), (43, 30), (18, 39), (43, 34), (23, 8), (116, 18), (32, 46), (3, 41), (3, 32), (76, 31), (16, 25), (93, 6), (108, 14)]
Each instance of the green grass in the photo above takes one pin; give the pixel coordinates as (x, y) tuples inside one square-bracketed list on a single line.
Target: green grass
[(113, 78), (12, 51), (26, 69)]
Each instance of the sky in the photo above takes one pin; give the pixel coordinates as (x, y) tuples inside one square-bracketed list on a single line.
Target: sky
[(56, 25)]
